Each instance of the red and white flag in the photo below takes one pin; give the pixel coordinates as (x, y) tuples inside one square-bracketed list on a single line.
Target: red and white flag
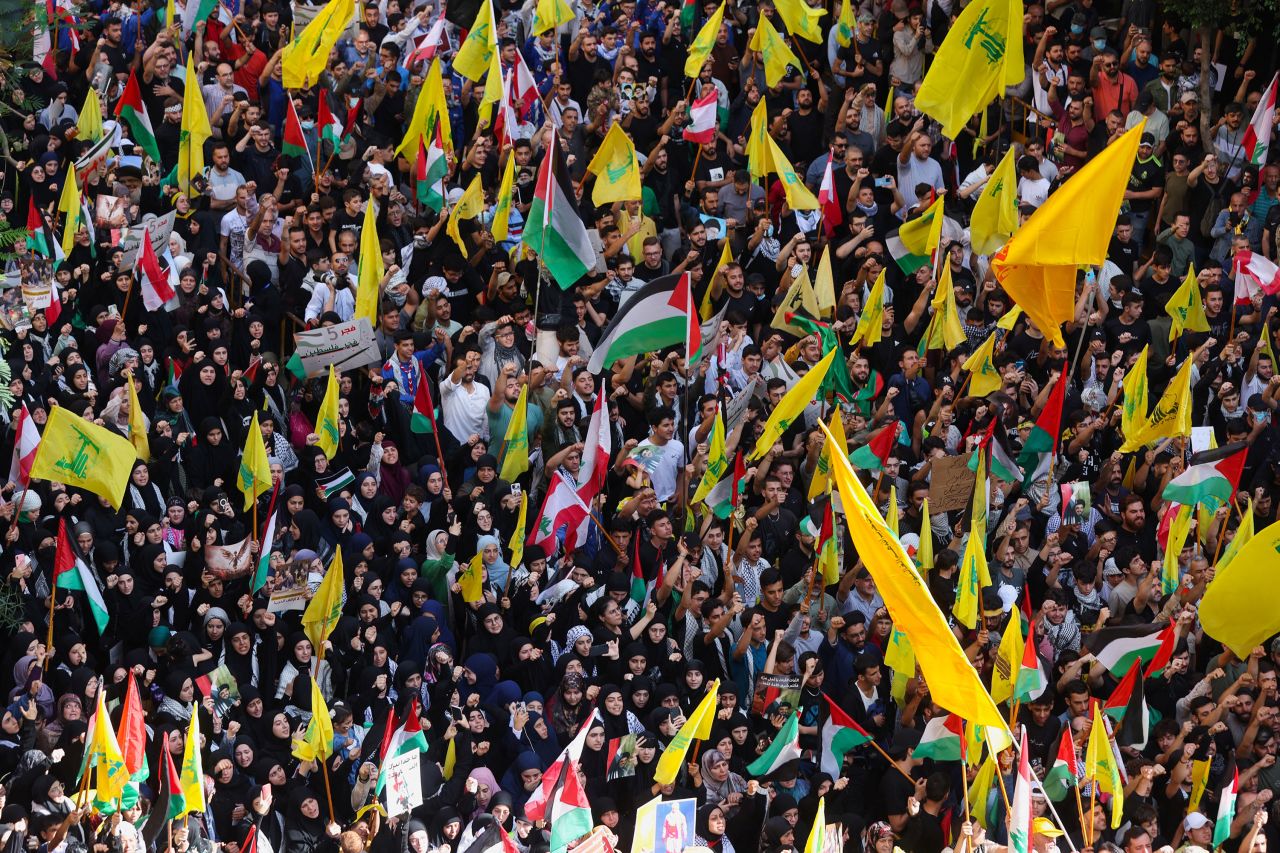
[(24, 448), (425, 46), (829, 201), (598, 453), (702, 119), (156, 290), (524, 89), (1254, 271), (560, 507), (1257, 136)]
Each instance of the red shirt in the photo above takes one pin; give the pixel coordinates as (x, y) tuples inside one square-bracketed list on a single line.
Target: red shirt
[(1108, 95)]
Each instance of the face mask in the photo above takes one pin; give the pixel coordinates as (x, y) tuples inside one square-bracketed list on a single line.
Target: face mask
[(1099, 44), (1076, 31), (308, 124)]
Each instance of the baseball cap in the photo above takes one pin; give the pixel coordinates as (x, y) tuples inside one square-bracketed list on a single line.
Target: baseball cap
[(1044, 826), (1195, 820)]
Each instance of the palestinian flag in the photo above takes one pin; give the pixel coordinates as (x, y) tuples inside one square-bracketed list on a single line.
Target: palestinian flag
[(1127, 705), (1065, 772), (133, 111), (998, 458), (331, 130), (554, 230), (1042, 443), (398, 741), (1020, 813), (865, 396), (1117, 647), (785, 747), (1227, 802), (263, 568), (570, 812), (38, 237), (839, 735), (688, 16), (724, 495), (553, 779), (1211, 479), (943, 739), (169, 801), (294, 144), (423, 418), (430, 172), (873, 455), (656, 316), (1031, 680), (70, 573)]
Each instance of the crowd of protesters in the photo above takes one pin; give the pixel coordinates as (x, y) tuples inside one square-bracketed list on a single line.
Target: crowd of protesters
[(266, 244)]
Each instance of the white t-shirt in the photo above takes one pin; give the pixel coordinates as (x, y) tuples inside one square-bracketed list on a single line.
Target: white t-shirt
[(664, 474), (1033, 192)]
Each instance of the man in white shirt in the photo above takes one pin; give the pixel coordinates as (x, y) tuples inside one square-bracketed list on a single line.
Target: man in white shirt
[(666, 471), (464, 401)]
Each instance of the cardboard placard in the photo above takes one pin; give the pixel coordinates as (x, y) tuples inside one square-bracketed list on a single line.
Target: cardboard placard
[(346, 346), (159, 228), (404, 783), (950, 483)]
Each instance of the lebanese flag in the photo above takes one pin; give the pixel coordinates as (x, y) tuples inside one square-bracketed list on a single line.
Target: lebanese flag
[(524, 89), (1256, 270), (561, 506), (1020, 813), (24, 448), (702, 119), (1257, 136), (54, 311), (597, 454), (155, 282), (425, 47), (133, 111), (829, 201)]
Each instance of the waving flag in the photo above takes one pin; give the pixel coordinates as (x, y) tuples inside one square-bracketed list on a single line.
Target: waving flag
[(702, 119), (1257, 136)]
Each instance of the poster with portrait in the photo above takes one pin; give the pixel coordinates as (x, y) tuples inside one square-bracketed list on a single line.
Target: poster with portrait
[(1077, 502), (622, 757), (229, 561), (665, 826), (776, 695), (287, 585)]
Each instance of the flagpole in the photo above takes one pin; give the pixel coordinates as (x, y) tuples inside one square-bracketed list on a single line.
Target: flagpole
[(53, 599), (1087, 839), (1004, 791), (1222, 533), (604, 531), (328, 789)]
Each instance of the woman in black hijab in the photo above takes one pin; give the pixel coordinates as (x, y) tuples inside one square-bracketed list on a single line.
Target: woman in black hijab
[(495, 635), (215, 456), (304, 828)]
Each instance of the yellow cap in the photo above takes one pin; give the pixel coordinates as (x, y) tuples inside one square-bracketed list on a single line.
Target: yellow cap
[(1044, 826)]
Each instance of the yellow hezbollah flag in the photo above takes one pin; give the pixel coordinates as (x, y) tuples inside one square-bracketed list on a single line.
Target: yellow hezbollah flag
[(69, 205), (845, 24), (102, 750), (429, 109), (325, 608), (371, 269), (502, 209), (802, 19), (316, 743), (306, 58), (945, 331), (1010, 319), (953, 682), (1232, 612), (899, 657), (790, 407), (702, 46), (774, 51), (717, 460), (979, 58), (469, 206), (191, 777), (821, 481), (515, 444), (983, 376), (871, 320), (798, 195), (1008, 662), (1037, 267), (254, 476), (1171, 416), (800, 299), (980, 792), (975, 575), (549, 14), (77, 453), (516, 543), (137, 424), (1185, 307), (824, 285), (195, 130), (924, 553), (726, 258), (1244, 533), (1199, 783), (757, 150), (891, 512), (615, 163), (90, 123), (327, 419), (1100, 765), (1133, 410), (697, 726), (473, 58), (995, 216), (472, 579), (921, 236)]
